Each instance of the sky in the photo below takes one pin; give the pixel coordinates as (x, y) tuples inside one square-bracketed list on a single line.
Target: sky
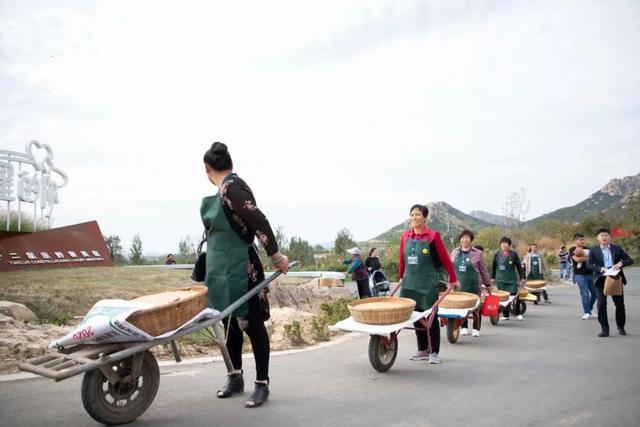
[(337, 114)]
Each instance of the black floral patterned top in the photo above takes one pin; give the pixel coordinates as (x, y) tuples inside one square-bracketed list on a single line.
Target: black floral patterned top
[(247, 221)]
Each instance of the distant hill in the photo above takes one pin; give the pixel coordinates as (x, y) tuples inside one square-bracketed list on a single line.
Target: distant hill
[(488, 217), (442, 217), (610, 200)]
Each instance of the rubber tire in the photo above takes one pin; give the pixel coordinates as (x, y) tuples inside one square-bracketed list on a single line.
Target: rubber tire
[(93, 395), (453, 333), (495, 320), (377, 350)]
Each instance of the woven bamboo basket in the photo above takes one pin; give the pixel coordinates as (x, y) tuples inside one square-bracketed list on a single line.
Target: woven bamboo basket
[(459, 300), (170, 310), (382, 310), (535, 284), (522, 292), (504, 295)]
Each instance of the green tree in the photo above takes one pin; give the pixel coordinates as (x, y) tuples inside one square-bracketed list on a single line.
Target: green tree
[(135, 252), (630, 223), (343, 241), (300, 250), (115, 248), (186, 251)]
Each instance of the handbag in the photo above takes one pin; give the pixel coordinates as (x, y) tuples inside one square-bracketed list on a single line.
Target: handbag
[(612, 286), (490, 306), (200, 267)]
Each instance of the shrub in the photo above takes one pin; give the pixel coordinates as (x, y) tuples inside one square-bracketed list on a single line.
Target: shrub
[(320, 328), (335, 311), (293, 331)]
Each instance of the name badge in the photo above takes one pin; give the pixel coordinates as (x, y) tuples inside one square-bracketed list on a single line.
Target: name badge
[(412, 260), (462, 269), (535, 262), (502, 267)]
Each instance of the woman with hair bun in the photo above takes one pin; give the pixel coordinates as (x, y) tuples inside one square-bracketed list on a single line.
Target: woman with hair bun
[(232, 221)]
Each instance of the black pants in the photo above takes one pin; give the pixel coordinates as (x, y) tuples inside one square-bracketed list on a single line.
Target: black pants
[(423, 338), (363, 288), (505, 310), (618, 300), (545, 295), (476, 320), (257, 333)]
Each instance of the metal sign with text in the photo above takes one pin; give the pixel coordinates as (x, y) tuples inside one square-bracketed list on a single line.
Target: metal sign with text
[(30, 178), (79, 245)]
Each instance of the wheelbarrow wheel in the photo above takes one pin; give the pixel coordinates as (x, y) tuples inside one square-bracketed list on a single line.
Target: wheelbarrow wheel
[(495, 319), (383, 352), (453, 331), (123, 402)]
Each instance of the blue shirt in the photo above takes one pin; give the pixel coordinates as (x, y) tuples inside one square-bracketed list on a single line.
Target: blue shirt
[(606, 254)]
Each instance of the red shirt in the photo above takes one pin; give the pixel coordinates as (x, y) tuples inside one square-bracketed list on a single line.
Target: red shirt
[(432, 237)]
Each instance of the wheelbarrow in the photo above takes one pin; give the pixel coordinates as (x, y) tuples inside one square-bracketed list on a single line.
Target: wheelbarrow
[(383, 340), (121, 379), (453, 318)]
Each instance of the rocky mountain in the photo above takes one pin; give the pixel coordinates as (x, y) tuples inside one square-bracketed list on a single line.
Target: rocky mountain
[(488, 217), (610, 200), (443, 218)]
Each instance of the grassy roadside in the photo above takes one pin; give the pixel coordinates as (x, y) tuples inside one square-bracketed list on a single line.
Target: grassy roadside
[(58, 295)]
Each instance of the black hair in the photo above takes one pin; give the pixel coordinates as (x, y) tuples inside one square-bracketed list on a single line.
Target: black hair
[(218, 157), (421, 208), (466, 232), (563, 247), (372, 251), (479, 247), (168, 255), (603, 230), (505, 240), (533, 244), (578, 236)]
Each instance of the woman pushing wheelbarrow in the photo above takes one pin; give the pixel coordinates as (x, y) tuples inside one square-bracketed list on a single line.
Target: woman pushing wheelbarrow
[(422, 255), (472, 274), (507, 274)]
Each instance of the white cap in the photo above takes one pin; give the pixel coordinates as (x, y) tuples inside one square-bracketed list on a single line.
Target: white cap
[(354, 251)]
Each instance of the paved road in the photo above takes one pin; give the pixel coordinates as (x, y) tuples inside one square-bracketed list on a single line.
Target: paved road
[(549, 370)]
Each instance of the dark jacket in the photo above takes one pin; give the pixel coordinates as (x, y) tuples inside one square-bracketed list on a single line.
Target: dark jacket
[(514, 258), (595, 262)]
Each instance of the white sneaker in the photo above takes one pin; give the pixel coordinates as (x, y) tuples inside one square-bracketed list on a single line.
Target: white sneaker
[(504, 318), (434, 358), (520, 317), (464, 331), (586, 316), (476, 333), (421, 355)]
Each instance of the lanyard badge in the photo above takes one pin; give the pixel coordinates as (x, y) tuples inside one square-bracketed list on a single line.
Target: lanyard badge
[(413, 258)]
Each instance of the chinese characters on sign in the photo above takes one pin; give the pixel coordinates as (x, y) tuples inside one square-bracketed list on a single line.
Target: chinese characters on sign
[(30, 177), (79, 245)]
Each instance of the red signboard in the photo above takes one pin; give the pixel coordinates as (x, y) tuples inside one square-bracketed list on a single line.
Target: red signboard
[(80, 245)]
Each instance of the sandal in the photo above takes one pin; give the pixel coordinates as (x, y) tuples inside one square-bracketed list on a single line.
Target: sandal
[(234, 384), (259, 396)]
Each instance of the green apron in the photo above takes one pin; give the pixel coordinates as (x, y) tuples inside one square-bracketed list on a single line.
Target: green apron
[(421, 278), (227, 258), (535, 273), (506, 277), (466, 274)]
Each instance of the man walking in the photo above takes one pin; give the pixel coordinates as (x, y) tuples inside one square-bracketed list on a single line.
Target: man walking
[(582, 275), (601, 258)]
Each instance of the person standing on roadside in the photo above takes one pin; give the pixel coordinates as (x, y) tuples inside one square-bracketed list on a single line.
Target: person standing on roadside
[(603, 257), (563, 256), (583, 277)]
